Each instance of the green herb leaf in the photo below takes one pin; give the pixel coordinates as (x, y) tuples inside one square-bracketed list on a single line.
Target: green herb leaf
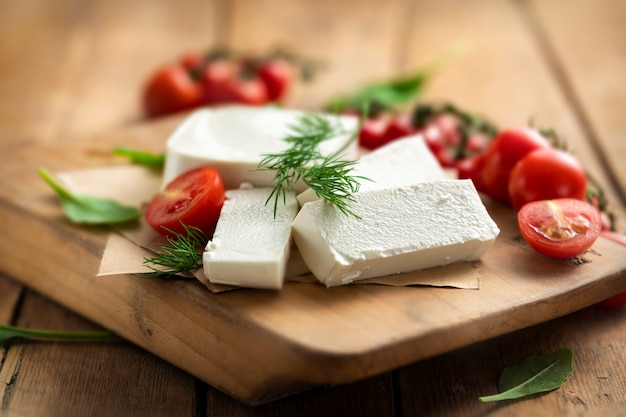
[(182, 253), (535, 375), (148, 159), (384, 95), (90, 209), (328, 176), (10, 332)]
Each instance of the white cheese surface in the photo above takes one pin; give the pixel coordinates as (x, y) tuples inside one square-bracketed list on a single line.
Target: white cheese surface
[(404, 161), (233, 140), (399, 229), (250, 246)]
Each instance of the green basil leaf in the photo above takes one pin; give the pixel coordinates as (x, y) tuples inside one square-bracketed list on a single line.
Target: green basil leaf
[(149, 159), (87, 209), (535, 375)]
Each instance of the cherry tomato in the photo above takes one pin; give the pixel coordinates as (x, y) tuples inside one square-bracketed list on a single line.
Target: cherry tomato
[(277, 75), (372, 133), (559, 228), (170, 89), (194, 198), (472, 168), (192, 60), (398, 127), (225, 82), (545, 174), (504, 151)]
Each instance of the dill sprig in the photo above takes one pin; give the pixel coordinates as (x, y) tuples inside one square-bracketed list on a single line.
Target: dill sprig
[(182, 253), (328, 176)]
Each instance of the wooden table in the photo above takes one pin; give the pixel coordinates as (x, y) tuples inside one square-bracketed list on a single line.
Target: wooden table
[(72, 70)]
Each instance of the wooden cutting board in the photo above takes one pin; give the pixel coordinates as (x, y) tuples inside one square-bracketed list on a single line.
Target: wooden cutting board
[(261, 345)]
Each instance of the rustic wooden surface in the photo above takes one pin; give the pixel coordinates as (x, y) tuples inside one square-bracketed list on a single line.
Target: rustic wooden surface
[(72, 69)]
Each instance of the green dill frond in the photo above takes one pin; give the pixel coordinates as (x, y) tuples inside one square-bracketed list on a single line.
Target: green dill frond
[(328, 176), (182, 253)]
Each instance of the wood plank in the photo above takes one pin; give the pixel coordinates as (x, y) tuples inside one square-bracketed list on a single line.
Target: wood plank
[(516, 83), (372, 397), (589, 78), (373, 328), (356, 40), (10, 292), (87, 378), (96, 59), (596, 387)]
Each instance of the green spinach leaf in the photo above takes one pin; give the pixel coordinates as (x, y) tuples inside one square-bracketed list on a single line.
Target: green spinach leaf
[(88, 209), (535, 375)]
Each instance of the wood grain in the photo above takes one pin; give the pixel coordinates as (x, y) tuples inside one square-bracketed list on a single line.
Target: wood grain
[(557, 61), (568, 28), (306, 334), (72, 373)]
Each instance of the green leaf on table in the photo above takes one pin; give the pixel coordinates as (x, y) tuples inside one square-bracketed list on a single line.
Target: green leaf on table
[(535, 375), (149, 159), (10, 332), (87, 209), (383, 95)]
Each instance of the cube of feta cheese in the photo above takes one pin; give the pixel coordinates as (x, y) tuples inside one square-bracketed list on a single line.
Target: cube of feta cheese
[(399, 229), (233, 140), (250, 246), (402, 162)]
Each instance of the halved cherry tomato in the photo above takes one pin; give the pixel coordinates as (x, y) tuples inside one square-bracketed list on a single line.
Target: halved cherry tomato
[(194, 198), (559, 228), (277, 75), (226, 82), (545, 174), (170, 89), (504, 151)]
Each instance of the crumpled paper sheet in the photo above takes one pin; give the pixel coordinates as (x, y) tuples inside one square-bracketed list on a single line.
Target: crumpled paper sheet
[(127, 247)]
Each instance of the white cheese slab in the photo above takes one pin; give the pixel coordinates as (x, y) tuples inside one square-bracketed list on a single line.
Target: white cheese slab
[(233, 140), (399, 229), (250, 246), (404, 161)]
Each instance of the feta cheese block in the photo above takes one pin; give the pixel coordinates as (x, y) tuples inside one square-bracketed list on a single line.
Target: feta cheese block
[(250, 246), (233, 140), (399, 229), (401, 162)]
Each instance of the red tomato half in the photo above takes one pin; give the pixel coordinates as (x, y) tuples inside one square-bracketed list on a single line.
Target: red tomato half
[(559, 228), (546, 174), (504, 151), (194, 198), (169, 90)]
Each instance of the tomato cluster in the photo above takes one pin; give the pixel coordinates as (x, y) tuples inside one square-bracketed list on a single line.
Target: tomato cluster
[(453, 135), (198, 79)]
